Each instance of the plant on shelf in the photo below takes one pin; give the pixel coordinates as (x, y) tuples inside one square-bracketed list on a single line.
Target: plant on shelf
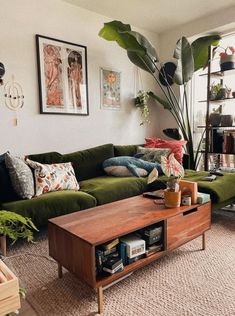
[(15, 226), (227, 57), (141, 101), (189, 58), (214, 90)]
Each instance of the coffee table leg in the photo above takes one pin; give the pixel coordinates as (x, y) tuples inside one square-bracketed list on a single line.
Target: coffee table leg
[(60, 272), (100, 300), (203, 241), (3, 245)]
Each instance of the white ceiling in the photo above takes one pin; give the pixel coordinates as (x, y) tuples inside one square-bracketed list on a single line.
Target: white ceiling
[(154, 15)]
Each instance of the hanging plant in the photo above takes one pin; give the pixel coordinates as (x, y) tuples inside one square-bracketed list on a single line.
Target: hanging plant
[(141, 101)]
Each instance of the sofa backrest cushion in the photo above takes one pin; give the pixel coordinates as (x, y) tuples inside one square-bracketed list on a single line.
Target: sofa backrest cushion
[(87, 163), (7, 192), (47, 158), (125, 150)]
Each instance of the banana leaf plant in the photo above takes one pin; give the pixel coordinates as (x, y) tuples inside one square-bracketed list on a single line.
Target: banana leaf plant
[(189, 58)]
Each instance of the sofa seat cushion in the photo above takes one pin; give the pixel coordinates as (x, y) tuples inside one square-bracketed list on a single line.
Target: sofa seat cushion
[(108, 189), (220, 190), (50, 205)]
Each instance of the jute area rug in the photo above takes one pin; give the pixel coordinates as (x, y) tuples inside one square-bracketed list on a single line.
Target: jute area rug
[(187, 282)]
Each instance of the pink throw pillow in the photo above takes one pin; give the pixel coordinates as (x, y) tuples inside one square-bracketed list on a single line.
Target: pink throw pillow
[(176, 146)]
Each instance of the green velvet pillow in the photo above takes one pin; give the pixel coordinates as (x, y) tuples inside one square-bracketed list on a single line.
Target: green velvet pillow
[(47, 158), (125, 150), (87, 163)]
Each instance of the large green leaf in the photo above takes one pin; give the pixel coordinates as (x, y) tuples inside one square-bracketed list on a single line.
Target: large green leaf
[(200, 50), (143, 62), (142, 40), (139, 50), (185, 64), (165, 104), (119, 32)]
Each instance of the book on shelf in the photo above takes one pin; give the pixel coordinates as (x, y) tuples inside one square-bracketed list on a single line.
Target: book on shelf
[(122, 251), (153, 249), (109, 245), (112, 263), (203, 198), (119, 268), (189, 187)]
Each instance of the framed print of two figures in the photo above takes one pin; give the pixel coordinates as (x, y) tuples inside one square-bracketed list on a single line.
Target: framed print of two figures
[(62, 72)]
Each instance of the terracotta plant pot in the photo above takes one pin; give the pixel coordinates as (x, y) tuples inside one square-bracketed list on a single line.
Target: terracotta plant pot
[(172, 199)]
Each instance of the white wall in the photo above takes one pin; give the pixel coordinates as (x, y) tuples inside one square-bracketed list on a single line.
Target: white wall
[(222, 22), (20, 21)]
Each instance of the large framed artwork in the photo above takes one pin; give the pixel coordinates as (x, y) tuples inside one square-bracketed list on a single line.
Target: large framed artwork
[(110, 84), (62, 77)]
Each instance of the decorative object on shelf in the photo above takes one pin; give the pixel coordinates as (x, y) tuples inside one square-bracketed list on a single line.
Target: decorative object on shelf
[(221, 95), (214, 119), (2, 73), (226, 120), (227, 58), (141, 102), (189, 57), (110, 84), (14, 97), (62, 77), (229, 94), (174, 171)]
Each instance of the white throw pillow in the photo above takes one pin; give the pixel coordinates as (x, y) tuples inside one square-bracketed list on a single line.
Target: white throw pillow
[(122, 171)]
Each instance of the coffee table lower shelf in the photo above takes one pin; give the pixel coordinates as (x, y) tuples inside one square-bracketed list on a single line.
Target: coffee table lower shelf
[(73, 248), (102, 282)]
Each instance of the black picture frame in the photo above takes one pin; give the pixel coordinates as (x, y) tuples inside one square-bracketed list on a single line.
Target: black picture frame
[(62, 77)]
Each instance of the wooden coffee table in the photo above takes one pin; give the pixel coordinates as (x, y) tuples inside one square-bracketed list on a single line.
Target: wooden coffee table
[(73, 237)]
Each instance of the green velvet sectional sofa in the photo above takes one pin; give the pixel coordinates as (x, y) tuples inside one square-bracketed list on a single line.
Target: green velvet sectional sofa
[(97, 188)]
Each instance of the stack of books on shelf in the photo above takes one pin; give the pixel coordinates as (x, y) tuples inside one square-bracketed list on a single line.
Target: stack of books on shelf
[(223, 141), (229, 142), (114, 255), (108, 258)]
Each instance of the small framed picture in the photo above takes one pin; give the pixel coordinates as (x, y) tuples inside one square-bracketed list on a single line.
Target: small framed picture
[(110, 89), (62, 76)]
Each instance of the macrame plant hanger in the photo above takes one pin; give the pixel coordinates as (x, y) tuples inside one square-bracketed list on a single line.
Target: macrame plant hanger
[(14, 98), (138, 82)]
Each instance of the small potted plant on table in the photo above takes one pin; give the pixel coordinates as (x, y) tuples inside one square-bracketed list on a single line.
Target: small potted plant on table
[(174, 171)]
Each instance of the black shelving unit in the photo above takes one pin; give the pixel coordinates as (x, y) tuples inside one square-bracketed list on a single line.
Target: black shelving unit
[(211, 132)]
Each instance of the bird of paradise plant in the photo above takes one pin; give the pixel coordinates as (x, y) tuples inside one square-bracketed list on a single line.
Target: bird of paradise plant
[(189, 58)]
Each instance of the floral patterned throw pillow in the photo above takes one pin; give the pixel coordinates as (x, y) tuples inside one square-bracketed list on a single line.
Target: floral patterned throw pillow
[(53, 177)]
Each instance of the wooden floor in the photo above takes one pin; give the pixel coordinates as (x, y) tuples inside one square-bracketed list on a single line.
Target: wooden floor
[(26, 309)]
